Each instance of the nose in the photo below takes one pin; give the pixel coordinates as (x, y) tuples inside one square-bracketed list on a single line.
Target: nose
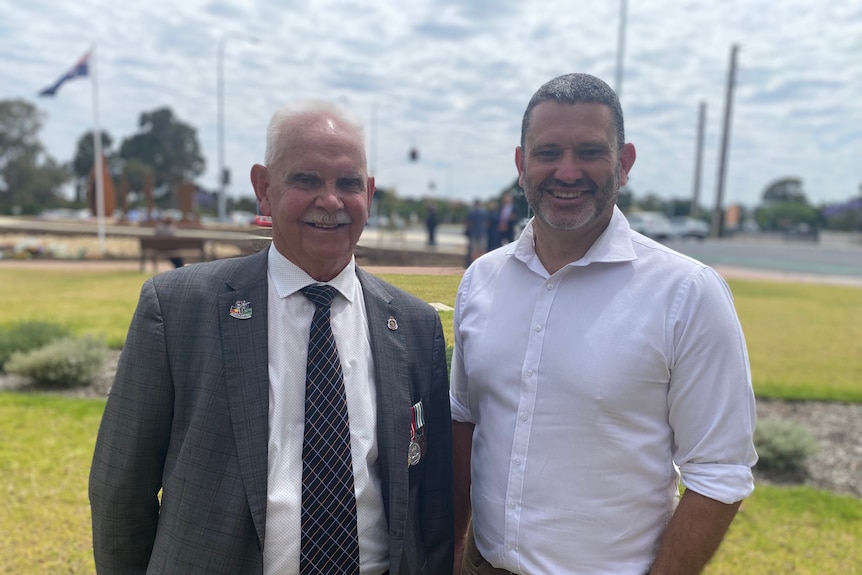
[(569, 168), (329, 199)]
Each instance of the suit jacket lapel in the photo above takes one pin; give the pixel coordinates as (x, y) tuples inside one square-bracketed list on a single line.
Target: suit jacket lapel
[(246, 365), (393, 400)]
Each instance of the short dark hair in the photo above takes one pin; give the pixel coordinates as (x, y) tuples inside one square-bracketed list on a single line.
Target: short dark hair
[(577, 89)]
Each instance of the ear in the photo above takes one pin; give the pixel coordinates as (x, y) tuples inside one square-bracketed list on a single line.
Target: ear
[(371, 189), (260, 183), (627, 160), (519, 164)]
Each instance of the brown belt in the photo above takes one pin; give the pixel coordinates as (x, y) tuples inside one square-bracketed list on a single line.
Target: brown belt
[(474, 563)]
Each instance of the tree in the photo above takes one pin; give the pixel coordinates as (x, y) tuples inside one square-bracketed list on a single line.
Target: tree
[(29, 178), (785, 206), (787, 189), (82, 164), (168, 146)]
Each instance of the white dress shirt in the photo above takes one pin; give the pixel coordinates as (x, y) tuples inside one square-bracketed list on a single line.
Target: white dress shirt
[(587, 389), (289, 320)]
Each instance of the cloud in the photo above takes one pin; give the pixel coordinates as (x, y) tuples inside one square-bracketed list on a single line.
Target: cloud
[(452, 78)]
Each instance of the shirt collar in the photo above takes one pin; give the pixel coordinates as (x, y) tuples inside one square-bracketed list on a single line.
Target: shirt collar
[(288, 278), (613, 245)]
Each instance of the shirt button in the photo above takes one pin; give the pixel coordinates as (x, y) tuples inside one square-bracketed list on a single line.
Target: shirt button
[(523, 417), (538, 328), (529, 372), (550, 287), (511, 505), (517, 461)]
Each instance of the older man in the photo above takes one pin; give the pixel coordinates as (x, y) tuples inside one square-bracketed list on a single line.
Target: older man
[(284, 412)]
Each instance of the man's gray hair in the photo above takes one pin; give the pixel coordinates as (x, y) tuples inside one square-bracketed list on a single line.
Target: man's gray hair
[(577, 89), (295, 114)]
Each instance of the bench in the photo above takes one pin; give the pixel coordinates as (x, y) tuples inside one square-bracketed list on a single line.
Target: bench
[(154, 247)]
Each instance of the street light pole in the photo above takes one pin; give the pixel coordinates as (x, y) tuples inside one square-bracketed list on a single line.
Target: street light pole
[(621, 48), (222, 192), (222, 200)]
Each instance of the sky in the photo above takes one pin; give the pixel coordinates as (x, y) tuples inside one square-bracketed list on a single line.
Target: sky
[(451, 78)]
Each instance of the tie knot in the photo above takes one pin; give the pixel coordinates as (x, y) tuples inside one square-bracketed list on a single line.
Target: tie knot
[(321, 295)]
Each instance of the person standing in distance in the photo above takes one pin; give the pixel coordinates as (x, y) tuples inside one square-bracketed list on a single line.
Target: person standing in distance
[(232, 403), (621, 360)]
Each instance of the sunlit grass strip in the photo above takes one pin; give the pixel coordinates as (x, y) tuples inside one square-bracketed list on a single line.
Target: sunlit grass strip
[(96, 303), (804, 341), (46, 446), (793, 530)]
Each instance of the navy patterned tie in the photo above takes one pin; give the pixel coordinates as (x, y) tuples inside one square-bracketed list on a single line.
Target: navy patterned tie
[(330, 543)]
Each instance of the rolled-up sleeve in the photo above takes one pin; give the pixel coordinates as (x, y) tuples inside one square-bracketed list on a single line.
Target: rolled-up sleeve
[(710, 397)]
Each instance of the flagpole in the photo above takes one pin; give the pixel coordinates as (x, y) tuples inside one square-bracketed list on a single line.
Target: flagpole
[(97, 152)]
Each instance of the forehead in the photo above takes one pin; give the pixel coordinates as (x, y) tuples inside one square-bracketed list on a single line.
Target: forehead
[(320, 144), (556, 123)]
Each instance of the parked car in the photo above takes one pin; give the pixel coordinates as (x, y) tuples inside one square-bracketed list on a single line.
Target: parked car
[(654, 225), (687, 227)]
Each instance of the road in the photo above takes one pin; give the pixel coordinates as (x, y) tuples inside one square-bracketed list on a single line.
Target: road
[(835, 259)]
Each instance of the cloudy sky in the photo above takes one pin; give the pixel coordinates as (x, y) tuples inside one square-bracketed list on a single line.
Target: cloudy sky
[(451, 78)]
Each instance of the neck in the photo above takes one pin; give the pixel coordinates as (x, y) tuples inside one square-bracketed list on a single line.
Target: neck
[(558, 248)]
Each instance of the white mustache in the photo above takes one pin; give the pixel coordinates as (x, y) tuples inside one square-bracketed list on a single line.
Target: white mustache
[(327, 219)]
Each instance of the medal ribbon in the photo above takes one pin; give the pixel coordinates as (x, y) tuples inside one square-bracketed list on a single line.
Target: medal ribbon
[(417, 420)]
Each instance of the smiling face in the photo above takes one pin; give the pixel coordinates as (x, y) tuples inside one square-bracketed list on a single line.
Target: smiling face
[(571, 169), (317, 191)]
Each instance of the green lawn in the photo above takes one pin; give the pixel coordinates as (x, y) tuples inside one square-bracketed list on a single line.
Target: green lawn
[(46, 445), (804, 343)]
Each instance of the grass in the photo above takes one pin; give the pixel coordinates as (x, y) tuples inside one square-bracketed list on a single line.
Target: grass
[(95, 303), (46, 445), (804, 343), (792, 530)]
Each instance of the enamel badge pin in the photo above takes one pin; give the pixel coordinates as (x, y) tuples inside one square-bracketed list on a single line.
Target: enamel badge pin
[(392, 324), (241, 310)]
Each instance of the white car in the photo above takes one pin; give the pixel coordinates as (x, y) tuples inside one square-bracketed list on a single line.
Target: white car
[(654, 225), (687, 227)]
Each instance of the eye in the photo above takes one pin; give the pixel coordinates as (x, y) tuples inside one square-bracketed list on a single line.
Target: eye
[(591, 153), (546, 154), (350, 184), (303, 179)]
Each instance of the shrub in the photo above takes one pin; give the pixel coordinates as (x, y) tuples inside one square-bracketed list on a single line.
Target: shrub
[(783, 445), (68, 362), (28, 335)]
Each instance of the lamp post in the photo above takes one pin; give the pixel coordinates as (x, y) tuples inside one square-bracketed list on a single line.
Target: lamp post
[(222, 193), (621, 44)]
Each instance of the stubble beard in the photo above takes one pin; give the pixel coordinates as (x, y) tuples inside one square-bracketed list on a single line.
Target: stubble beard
[(561, 219)]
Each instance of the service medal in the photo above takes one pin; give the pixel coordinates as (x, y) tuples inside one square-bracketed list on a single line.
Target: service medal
[(414, 453)]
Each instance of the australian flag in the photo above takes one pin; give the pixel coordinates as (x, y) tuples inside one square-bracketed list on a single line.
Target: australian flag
[(81, 69)]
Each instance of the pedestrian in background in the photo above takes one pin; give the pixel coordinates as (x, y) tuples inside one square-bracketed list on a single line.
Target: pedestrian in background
[(506, 220), (476, 231), (431, 222)]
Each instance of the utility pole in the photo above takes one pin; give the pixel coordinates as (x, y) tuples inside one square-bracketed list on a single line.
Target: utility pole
[(717, 214), (694, 209), (621, 45)]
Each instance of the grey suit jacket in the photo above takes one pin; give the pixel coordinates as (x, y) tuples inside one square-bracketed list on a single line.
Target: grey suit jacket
[(178, 482)]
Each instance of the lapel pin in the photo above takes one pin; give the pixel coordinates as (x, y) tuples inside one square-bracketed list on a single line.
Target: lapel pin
[(241, 310), (392, 324)]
